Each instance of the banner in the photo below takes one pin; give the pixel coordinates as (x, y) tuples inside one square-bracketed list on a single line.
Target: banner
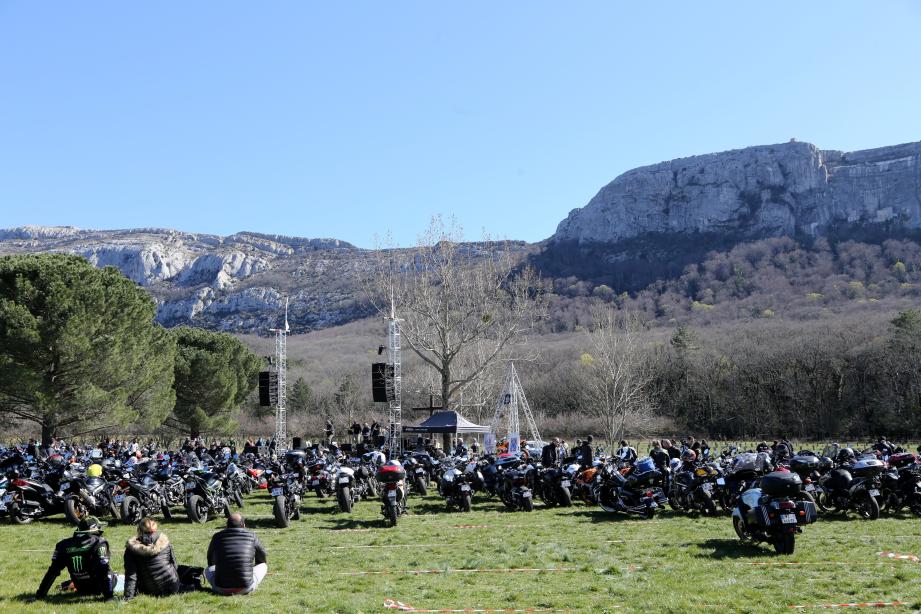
[(514, 443), (489, 443)]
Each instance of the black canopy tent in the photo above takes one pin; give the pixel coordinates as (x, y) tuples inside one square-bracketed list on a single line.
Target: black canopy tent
[(447, 423)]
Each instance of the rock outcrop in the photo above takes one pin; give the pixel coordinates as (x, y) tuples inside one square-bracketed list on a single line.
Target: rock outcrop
[(772, 190), (236, 283), (650, 222)]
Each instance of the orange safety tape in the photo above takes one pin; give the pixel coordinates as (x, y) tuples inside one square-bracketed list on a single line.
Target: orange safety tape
[(899, 557), (438, 571), (862, 604), (392, 604)]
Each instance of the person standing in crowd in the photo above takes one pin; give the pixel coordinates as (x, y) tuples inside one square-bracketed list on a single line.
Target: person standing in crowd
[(550, 455), (330, 431), (626, 452)]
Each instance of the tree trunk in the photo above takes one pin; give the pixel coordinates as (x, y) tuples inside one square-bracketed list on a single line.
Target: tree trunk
[(47, 433), (445, 386)]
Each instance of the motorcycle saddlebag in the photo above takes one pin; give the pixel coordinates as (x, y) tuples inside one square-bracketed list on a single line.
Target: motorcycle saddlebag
[(781, 484), (804, 465), (811, 512), (902, 459), (644, 464)]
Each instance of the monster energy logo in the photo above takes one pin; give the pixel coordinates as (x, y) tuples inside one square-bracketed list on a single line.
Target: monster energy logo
[(77, 562)]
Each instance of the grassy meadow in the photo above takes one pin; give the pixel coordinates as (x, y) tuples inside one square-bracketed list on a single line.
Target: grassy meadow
[(600, 562)]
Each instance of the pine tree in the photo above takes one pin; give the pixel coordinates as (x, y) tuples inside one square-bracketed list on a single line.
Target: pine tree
[(214, 374), (79, 349)]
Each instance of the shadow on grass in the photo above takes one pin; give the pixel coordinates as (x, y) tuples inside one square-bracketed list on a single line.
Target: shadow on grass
[(599, 515), (338, 524), (732, 549)]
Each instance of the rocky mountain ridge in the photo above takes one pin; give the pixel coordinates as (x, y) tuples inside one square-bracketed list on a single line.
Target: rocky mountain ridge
[(651, 222), (234, 283), (647, 225)]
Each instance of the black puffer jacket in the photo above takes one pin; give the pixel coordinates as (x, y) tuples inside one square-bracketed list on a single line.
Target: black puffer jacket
[(233, 552), (150, 566)]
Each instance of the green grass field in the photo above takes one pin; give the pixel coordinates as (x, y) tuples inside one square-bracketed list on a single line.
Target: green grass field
[(602, 562)]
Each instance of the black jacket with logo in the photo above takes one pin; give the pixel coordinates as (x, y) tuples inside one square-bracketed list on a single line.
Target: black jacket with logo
[(86, 557)]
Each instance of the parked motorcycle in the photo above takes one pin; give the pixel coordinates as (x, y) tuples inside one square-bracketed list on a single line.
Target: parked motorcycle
[(771, 512), (900, 485), (392, 477), (694, 489), (632, 489), (455, 487), (285, 488), (142, 497), (205, 495), (514, 486), (850, 488), (555, 485), (88, 496)]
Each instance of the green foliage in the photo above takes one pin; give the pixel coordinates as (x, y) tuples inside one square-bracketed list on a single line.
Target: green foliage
[(78, 347), (299, 399), (214, 374), (684, 338)]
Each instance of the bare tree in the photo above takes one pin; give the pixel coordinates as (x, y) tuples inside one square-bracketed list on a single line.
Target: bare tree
[(465, 306), (617, 374)]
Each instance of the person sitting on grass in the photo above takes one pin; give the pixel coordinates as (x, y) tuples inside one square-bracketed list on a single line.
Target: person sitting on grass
[(86, 557), (150, 565), (231, 557)]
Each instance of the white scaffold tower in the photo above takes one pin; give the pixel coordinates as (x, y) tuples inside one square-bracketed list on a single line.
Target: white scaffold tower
[(281, 374), (394, 386), (510, 400)]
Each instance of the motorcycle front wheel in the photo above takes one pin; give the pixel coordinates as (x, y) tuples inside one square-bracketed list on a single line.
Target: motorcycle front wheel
[(527, 504), (197, 509), (740, 530), (74, 510), (131, 510), (465, 503)]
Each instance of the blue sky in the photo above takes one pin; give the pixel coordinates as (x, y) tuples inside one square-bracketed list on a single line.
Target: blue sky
[(346, 119)]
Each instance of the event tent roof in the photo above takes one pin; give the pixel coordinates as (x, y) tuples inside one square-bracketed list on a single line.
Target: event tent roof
[(446, 422)]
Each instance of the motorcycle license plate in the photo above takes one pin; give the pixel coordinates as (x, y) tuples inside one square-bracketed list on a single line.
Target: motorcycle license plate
[(874, 493), (119, 498), (788, 519), (565, 483), (526, 495), (720, 481), (7, 498), (65, 485), (392, 494), (277, 492), (420, 470), (315, 483), (809, 487), (465, 488), (343, 480)]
